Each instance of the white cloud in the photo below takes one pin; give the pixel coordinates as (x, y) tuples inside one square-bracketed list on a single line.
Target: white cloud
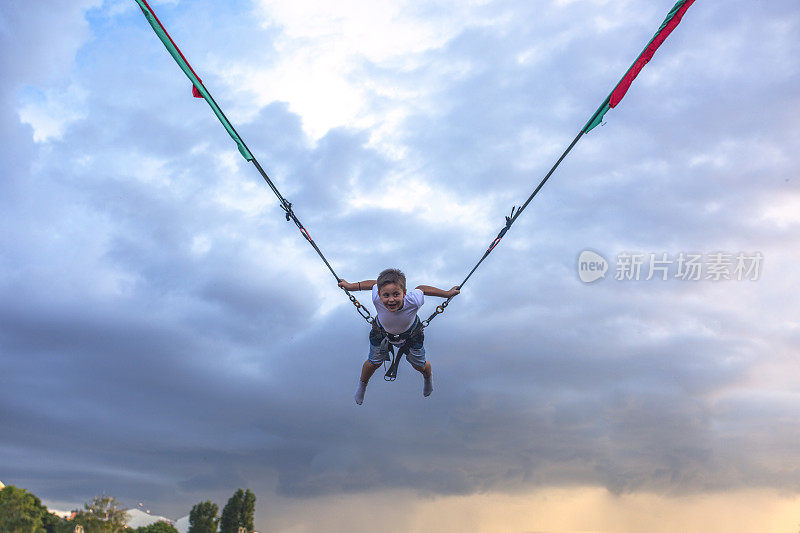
[(323, 49), (51, 111), (783, 212)]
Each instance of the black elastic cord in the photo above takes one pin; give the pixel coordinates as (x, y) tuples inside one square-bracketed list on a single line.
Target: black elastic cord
[(509, 221)]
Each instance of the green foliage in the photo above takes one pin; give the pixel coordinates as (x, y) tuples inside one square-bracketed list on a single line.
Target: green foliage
[(21, 512), (158, 527), (238, 512), (203, 518), (103, 514), (61, 525), (53, 523)]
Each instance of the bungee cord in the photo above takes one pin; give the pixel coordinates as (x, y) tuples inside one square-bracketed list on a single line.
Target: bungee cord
[(200, 91)]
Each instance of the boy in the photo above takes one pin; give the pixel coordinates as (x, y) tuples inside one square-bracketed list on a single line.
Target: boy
[(396, 312)]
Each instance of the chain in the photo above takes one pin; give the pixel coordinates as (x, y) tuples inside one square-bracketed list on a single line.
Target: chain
[(439, 310), (363, 311)]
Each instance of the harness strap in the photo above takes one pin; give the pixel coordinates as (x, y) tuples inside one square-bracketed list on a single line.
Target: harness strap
[(399, 340), (391, 374)]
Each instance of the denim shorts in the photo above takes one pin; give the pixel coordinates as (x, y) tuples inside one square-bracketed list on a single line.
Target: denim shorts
[(416, 350)]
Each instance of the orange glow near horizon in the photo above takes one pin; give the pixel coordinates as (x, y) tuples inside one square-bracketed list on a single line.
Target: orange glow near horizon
[(560, 510)]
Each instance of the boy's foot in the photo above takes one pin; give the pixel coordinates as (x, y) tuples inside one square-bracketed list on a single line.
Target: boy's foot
[(362, 388), (427, 388)]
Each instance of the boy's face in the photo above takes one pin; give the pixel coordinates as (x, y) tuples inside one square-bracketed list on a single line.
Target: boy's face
[(392, 296)]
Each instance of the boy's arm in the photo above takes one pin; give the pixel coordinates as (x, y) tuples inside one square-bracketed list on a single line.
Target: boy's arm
[(427, 290), (365, 285)]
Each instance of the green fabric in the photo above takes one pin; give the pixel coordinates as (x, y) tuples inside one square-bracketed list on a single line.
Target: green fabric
[(176, 55), (597, 118)]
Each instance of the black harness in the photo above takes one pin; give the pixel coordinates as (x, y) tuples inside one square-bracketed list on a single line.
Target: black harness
[(388, 341)]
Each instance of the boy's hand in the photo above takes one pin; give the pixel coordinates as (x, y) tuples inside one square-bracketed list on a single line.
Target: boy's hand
[(343, 284), (452, 292)]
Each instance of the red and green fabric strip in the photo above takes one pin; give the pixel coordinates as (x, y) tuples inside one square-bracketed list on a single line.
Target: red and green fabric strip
[(198, 89), (673, 19)]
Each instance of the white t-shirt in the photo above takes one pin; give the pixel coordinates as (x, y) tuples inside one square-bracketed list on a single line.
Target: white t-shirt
[(403, 318)]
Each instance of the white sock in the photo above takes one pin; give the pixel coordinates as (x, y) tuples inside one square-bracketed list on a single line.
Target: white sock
[(362, 388), (427, 387)]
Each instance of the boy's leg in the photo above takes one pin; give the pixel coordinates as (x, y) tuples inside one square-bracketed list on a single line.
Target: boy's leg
[(366, 372), (373, 362), (427, 386), (416, 356), (425, 370)]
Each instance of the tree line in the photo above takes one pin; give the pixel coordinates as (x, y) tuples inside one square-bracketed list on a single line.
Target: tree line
[(22, 512)]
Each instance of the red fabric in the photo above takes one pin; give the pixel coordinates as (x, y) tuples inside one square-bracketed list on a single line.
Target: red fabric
[(195, 92), (623, 86)]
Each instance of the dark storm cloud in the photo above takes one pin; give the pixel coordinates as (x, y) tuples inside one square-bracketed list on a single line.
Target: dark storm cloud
[(165, 334)]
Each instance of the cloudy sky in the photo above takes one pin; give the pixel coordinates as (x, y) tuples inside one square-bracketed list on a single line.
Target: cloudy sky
[(167, 337)]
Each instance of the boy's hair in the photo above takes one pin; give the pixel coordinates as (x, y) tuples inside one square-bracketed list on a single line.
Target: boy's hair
[(392, 275)]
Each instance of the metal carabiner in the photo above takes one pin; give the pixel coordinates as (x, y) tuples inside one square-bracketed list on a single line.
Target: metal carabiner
[(362, 310), (365, 314)]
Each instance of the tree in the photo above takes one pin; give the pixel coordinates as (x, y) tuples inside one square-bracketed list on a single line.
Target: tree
[(158, 527), (21, 512), (103, 514), (238, 512), (62, 525), (52, 523), (203, 518)]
